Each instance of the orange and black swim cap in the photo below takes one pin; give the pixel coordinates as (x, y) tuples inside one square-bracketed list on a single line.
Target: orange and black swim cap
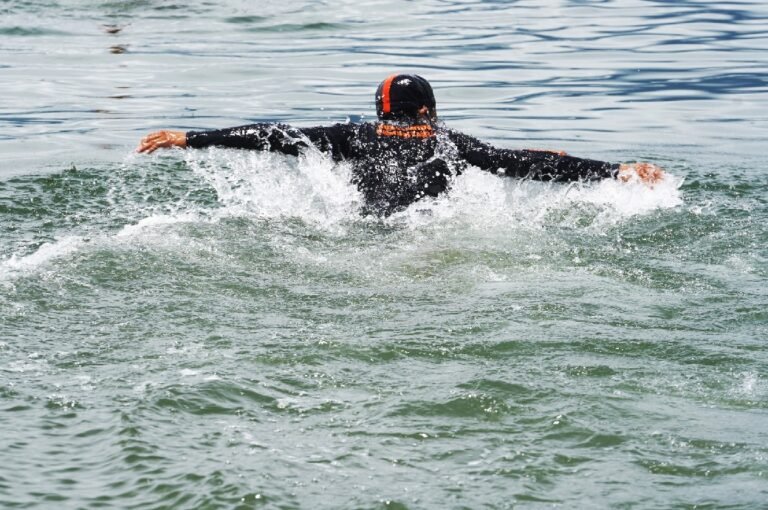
[(401, 96)]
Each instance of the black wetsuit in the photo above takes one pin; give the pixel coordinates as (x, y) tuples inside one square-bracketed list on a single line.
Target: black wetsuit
[(395, 167)]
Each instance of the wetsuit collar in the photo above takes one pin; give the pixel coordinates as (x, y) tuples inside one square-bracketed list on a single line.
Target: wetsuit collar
[(405, 131)]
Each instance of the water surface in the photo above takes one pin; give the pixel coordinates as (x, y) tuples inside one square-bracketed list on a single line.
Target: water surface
[(219, 329)]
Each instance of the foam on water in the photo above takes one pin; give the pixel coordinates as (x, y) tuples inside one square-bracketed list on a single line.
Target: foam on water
[(312, 188), (149, 225), (485, 200), (265, 185), (319, 192), (46, 253)]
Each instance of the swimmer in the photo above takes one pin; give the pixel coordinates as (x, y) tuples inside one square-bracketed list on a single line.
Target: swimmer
[(407, 155)]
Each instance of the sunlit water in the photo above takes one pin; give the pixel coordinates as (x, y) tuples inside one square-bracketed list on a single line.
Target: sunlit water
[(221, 329)]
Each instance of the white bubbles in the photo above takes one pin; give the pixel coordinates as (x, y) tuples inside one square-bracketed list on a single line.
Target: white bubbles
[(266, 185), (149, 225), (479, 200), (630, 198), (748, 384), (318, 191), (477, 197), (47, 252), (481, 211), (483, 215)]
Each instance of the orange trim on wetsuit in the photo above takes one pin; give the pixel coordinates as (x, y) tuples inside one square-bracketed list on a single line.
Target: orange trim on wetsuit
[(415, 131)]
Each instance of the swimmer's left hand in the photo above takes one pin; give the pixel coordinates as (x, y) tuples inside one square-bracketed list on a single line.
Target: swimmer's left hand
[(646, 172)]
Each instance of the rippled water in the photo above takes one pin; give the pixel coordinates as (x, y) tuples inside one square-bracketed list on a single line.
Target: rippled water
[(219, 329)]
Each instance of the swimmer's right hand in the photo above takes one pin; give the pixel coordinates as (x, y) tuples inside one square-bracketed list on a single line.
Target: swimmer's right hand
[(161, 139), (646, 172)]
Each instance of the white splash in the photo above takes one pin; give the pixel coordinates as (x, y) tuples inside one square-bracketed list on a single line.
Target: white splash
[(248, 183), (46, 253), (630, 198), (317, 190), (749, 384), (488, 201), (149, 224)]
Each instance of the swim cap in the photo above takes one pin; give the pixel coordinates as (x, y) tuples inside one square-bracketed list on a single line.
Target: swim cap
[(401, 96)]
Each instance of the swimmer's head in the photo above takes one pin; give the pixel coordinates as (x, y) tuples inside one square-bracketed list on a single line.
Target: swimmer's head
[(403, 97)]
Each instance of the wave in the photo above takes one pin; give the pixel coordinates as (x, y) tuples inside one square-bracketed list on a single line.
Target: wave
[(46, 253), (318, 191), (312, 189)]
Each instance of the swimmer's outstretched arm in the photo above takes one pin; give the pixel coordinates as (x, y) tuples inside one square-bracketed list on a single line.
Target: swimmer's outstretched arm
[(283, 138), (162, 139), (548, 165), (533, 163)]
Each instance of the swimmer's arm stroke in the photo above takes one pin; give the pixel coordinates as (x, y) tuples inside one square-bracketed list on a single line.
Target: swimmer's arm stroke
[(260, 136), (533, 163), (549, 165), (274, 137)]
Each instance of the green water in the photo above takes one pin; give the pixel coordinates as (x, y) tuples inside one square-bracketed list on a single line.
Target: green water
[(210, 358), (222, 329)]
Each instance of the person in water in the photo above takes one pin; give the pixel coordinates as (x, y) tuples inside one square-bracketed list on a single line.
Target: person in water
[(407, 154)]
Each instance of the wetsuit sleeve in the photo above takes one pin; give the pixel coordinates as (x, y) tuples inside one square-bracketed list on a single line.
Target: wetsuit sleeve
[(537, 165), (277, 138)]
